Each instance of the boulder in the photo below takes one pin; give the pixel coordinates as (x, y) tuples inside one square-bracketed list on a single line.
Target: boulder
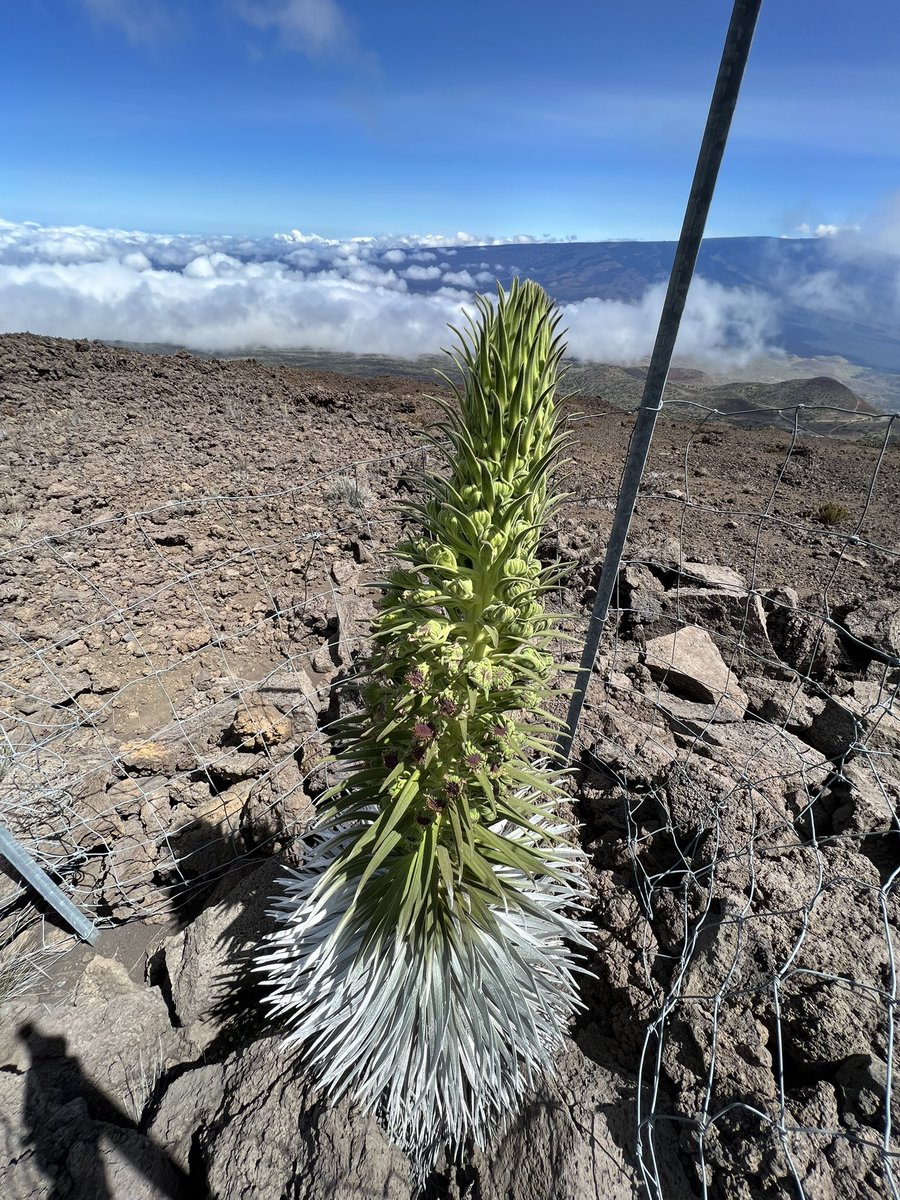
[(77, 1078), (782, 702), (735, 620), (688, 661), (804, 640), (640, 593), (773, 763), (690, 718), (877, 625), (878, 709), (623, 736), (207, 962), (866, 795), (112, 1032), (148, 758), (277, 809), (209, 837), (295, 694), (253, 1126), (259, 1128), (866, 718), (711, 576)]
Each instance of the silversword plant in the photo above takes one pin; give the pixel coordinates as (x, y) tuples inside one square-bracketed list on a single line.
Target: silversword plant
[(421, 957)]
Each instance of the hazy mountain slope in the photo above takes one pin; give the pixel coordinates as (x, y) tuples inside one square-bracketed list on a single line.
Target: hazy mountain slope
[(829, 298)]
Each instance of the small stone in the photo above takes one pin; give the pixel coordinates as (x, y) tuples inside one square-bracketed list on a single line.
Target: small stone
[(60, 490), (342, 570), (195, 639), (258, 725), (362, 552), (148, 758)]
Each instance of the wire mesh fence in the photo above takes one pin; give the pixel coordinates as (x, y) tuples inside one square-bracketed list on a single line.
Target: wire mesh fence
[(748, 730), (168, 700), (165, 714)]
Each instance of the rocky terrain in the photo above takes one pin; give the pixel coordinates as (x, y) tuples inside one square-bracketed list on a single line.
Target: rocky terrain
[(187, 549)]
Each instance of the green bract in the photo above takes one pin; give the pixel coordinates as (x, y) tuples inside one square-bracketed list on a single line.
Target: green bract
[(420, 957)]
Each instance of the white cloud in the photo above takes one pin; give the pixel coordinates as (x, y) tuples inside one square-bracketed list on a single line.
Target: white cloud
[(139, 20), (137, 260), (214, 293), (722, 328), (205, 266), (881, 228), (411, 241), (311, 26), (300, 291), (857, 272), (459, 279), (824, 230), (420, 274), (826, 292)]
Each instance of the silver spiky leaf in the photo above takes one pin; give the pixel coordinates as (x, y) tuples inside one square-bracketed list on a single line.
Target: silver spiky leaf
[(442, 1033)]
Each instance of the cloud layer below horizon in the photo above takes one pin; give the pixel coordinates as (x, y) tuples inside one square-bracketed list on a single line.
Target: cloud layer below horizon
[(392, 296)]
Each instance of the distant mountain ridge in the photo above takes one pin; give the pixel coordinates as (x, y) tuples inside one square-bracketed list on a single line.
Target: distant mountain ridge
[(830, 297), (829, 407)]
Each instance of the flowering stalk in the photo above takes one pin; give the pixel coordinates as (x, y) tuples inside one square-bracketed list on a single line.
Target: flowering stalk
[(420, 957)]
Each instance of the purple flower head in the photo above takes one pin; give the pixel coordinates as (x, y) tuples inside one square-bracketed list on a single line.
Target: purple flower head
[(415, 677), (422, 731)]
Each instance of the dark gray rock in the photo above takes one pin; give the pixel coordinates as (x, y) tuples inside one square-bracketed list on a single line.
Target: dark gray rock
[(877, 625)]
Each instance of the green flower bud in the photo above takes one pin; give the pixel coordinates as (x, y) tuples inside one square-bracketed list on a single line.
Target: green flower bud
[(481, 674), (481, 519), (529, 609), (452, 655), (517, 588), (461, 589), (440, 556), (500, 614), (503, 678), (536, 660)]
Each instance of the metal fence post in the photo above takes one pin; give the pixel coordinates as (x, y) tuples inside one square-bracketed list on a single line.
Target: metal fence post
[(728, 82), (25, 865)]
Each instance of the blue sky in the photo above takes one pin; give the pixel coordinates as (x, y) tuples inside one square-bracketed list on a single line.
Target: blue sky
[(345, 117)]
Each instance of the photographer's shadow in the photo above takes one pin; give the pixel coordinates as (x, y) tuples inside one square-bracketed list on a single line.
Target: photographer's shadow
[(83, 1143)]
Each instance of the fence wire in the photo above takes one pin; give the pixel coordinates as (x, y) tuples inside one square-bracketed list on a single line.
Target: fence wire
[(166, 720), (751, 736)]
